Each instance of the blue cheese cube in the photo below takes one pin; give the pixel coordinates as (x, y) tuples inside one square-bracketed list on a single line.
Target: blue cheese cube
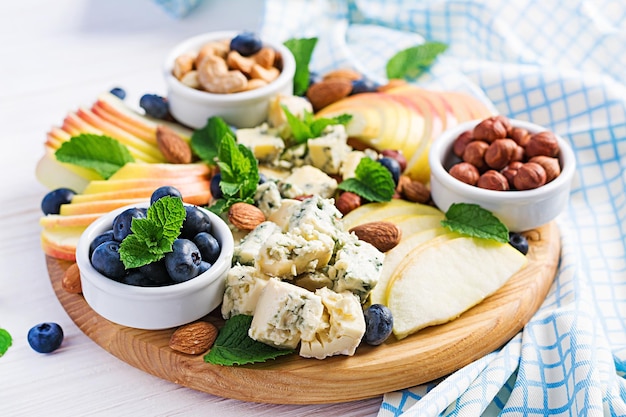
[(314, 280), (286, 314), (244, 285), (267, 198), (329, 150), (248, 248), (316, 216), (265, 145), (307, 180)]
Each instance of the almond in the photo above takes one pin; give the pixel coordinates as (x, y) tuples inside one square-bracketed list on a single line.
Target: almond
[(328, 91), (194, 338), (175, 149), (71, 280), (380, 234), (245, 216)]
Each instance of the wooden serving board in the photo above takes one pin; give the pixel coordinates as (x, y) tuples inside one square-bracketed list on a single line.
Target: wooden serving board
[(425, 356)]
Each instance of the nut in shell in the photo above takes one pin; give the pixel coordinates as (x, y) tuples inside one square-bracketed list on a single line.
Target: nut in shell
[(194, 338), (383, 235), (245, 216)]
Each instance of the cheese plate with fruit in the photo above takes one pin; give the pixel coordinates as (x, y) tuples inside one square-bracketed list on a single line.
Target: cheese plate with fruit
[(343, 279)]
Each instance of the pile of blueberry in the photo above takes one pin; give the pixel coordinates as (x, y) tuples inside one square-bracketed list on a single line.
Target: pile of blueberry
[(194, 251)]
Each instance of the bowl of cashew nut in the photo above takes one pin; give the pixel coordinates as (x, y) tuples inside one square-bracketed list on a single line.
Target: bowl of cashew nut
[(233, 75)]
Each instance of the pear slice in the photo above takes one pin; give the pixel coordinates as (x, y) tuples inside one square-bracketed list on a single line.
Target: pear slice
[(445, 278), (380, 211)]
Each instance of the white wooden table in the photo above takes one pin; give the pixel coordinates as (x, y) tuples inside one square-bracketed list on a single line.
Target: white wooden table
[(56, 56)]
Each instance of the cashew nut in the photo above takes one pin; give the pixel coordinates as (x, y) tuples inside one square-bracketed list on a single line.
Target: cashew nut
[(255, 83), (269, 74), (265, 57), (190, 79), (183, 64), (214, 76), (212, 48), (239, 62)]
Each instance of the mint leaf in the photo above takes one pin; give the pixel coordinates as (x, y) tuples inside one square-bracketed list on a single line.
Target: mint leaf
[(308, 127), (233, 346), (473, 220), (153, 236), (205, 142), (371, 181), (318, 125), (410, 63), (5, 341), (103, 154), (302, 50)]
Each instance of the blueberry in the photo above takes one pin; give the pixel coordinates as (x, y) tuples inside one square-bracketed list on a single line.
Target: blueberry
[(392, 166), (51, 202), (246, 43), (216, 191), (106, 260), (118, 92), (156, 272), (378, 324), (45, 337), (154, 106), (519, 242), (363, 85), (166, 190), (138, 279), (209, 246), (101, 238), (262, 178), (123, 221), (204, 266), (196, 221), (183, 263)]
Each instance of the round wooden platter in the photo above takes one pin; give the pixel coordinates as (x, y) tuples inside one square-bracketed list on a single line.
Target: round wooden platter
[(422, 357)]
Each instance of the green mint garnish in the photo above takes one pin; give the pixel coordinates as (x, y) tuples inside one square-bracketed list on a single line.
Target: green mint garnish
[(410, 63), (371, 181), (309, 127), (233, 346), (205, 142), (5, 341), (473, 220), (302, 50), (153, 236), (101, 153)]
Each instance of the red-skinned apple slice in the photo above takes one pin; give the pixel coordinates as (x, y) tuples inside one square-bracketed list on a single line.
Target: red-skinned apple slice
[(61, 245), (145, 193), (125, 184), (58, 221), (143, 170)]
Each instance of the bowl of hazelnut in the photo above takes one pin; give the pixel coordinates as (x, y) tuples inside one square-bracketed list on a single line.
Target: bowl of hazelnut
[(228, 74), (518, 170)]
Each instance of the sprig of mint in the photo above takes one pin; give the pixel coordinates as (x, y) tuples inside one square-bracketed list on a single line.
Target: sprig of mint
[(473, 220), (410, 63), (309, 127), (302, 50), (233, 346), (240, 174), (152, 237), (205, 142), (5, 341), (371, 181), (102, 153)]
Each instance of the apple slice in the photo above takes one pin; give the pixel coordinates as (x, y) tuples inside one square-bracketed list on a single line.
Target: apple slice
[(53, 174), (195, 188), (100, 206), (443, 279), (60, 244), (143, 170), (381, 211), (57, 221), (101, 186)]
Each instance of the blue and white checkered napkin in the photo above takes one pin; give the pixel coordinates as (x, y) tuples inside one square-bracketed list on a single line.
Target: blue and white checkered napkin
[(560, 64)]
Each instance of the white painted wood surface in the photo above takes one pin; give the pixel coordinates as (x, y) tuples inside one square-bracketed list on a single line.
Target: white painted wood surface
[(54, 57)]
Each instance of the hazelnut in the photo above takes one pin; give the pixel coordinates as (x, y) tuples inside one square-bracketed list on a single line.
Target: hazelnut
[(347, 202), (475, 154), (493, 180), (461, 142), (466, 172), (413, 191), (550, 165), (542, 143), (500, 153), (520, 135), (519, 154), (490, 129), (510, 171), (529, 176)]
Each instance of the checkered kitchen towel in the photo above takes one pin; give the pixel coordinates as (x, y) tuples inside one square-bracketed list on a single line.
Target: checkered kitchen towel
[(560, 64)]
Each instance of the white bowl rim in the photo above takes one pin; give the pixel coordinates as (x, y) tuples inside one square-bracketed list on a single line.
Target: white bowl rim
[(286, 74), (116, 288), (443, 143)]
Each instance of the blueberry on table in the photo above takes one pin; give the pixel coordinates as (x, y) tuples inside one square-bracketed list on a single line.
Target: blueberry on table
[(216, 191), (208, 245), (51, 202), (519, 242), (183, 262), (363, 85), (246, 43), (101, 238), (123, 221), (154, 105), (393, 166), (196, 221), (45, 337), (378, 324), (106, 260), (118, 92), (165, 191)]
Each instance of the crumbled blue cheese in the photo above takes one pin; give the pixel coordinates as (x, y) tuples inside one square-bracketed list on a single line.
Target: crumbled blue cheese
[(328, 151), (316, 216), (343, 329), (286, 314), (267, 198), (246, 251), (314, 280), (244, 285), (263, 143), (307, 180)]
